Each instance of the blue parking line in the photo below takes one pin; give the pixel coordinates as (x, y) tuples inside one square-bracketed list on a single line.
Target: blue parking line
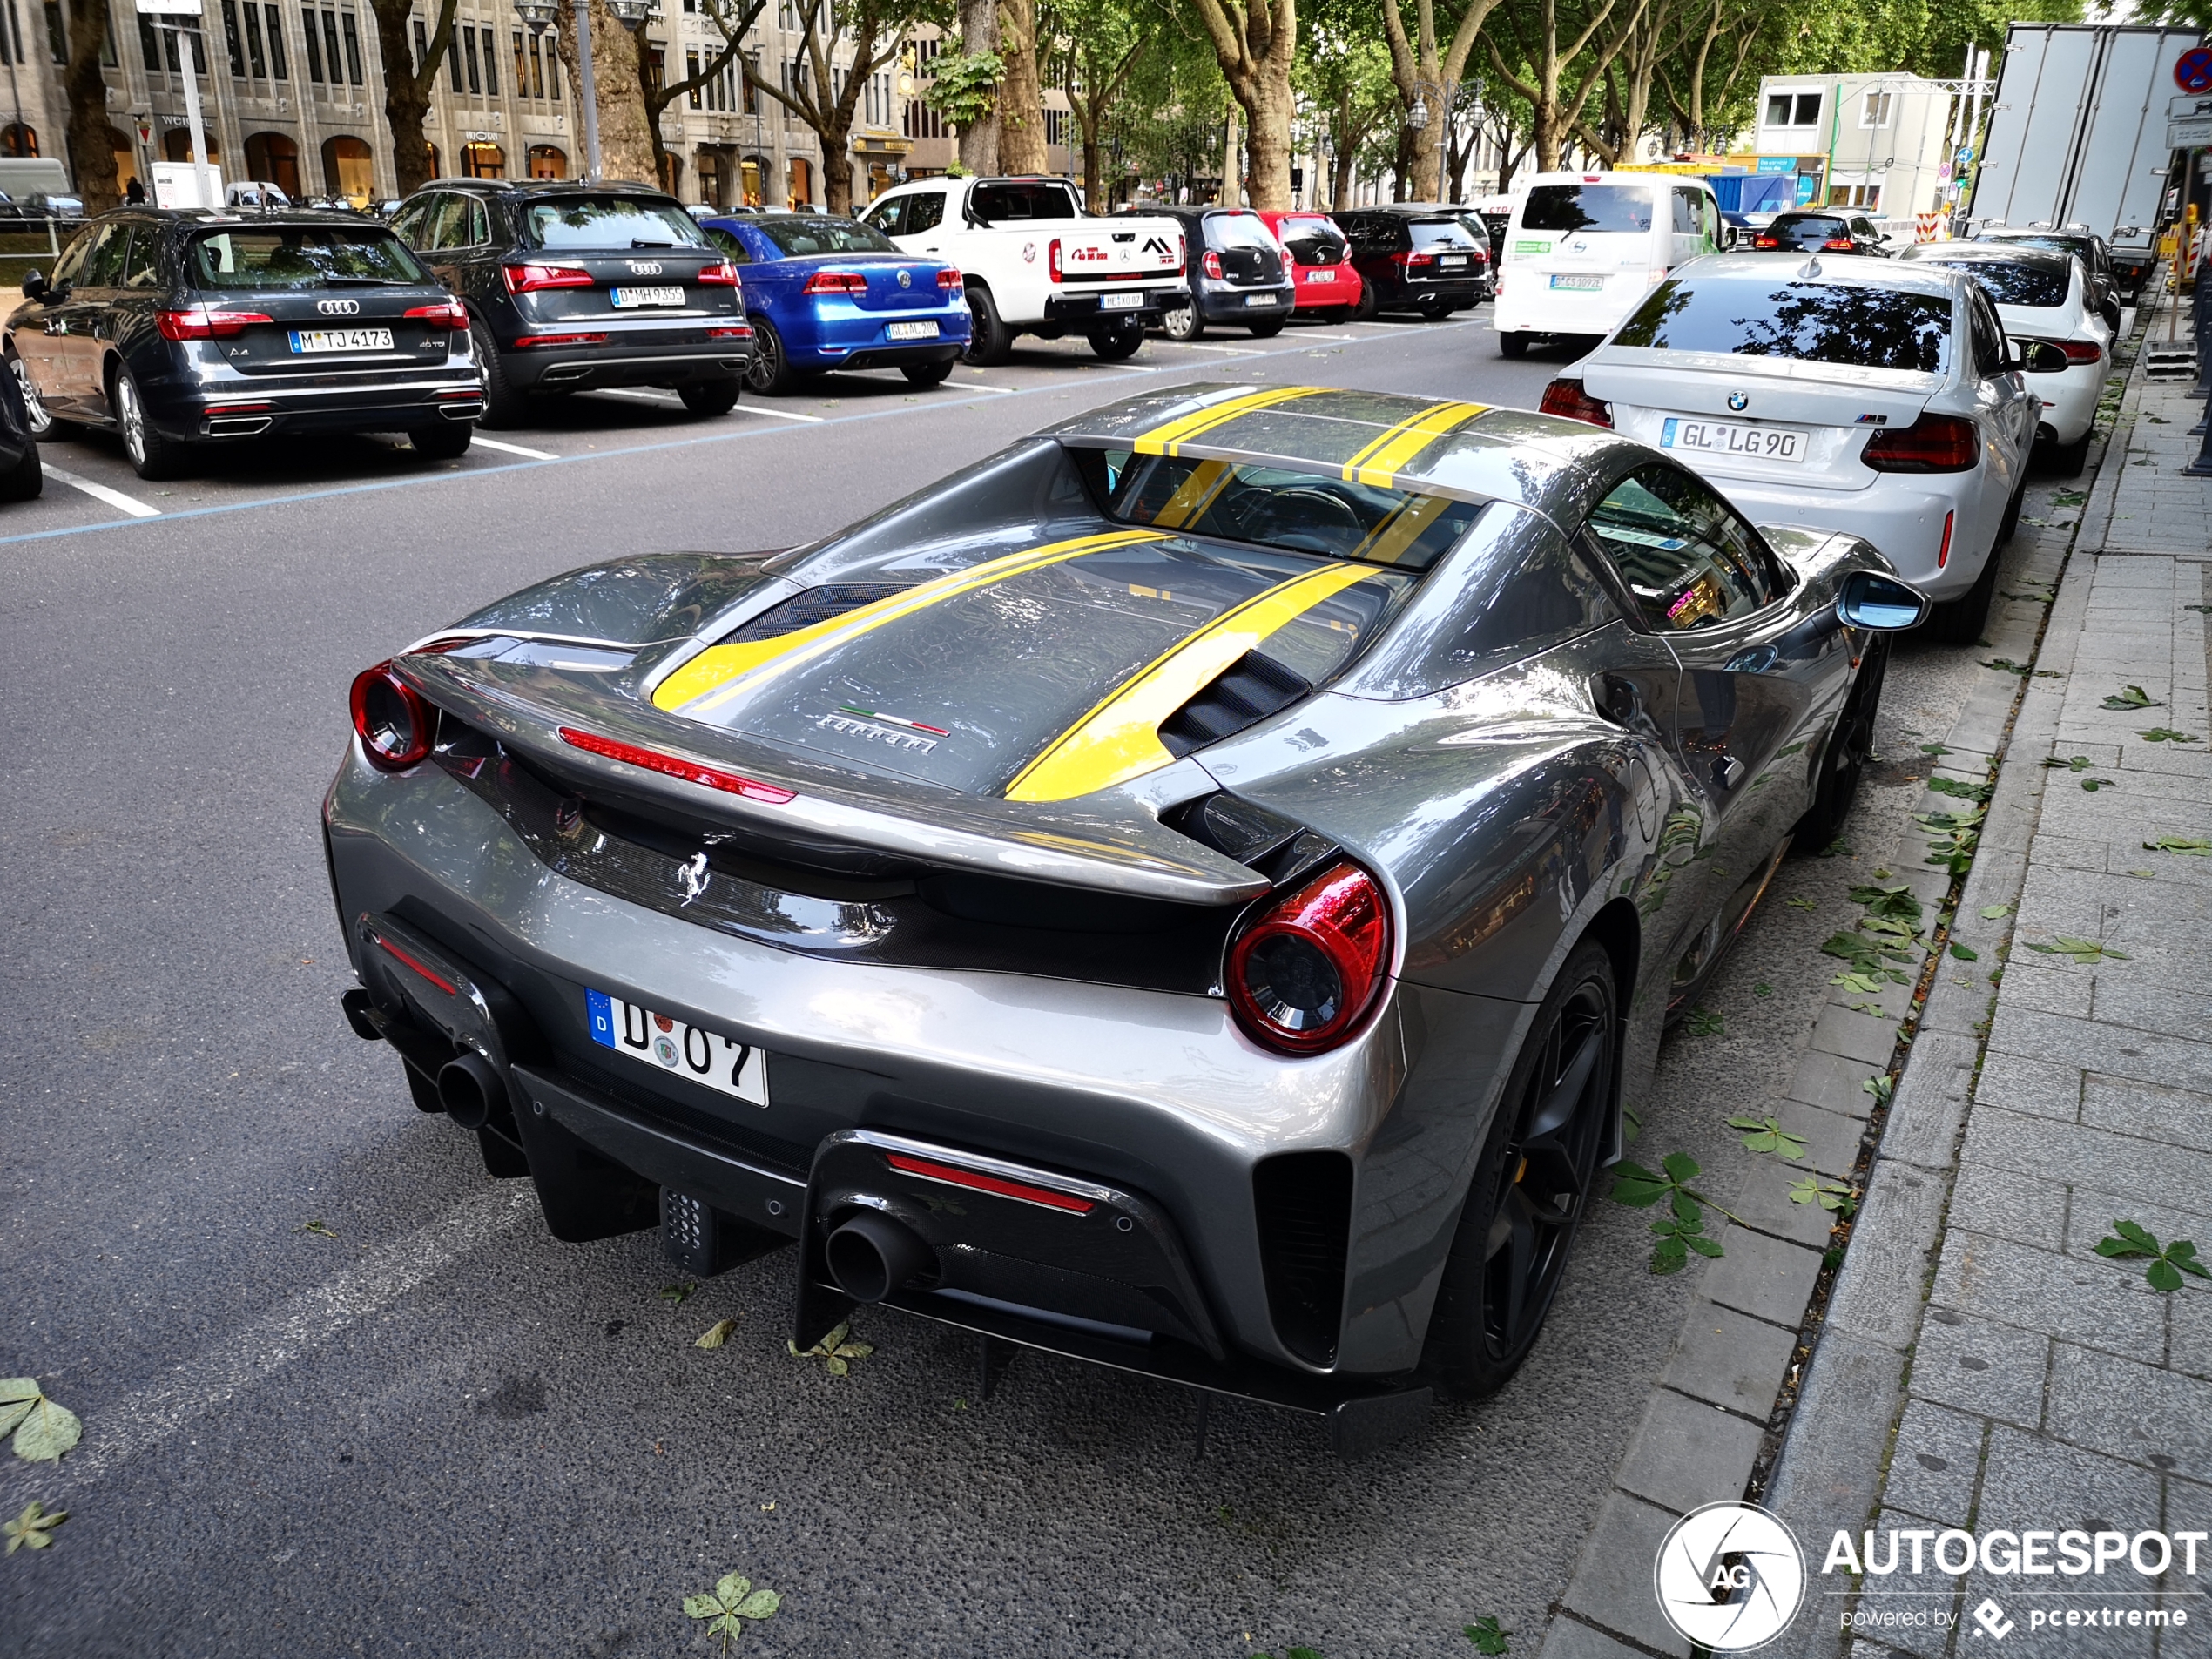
[(741, 435)]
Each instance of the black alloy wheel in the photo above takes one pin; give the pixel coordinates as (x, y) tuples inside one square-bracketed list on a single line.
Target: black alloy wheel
[(1531, 1186), (1368, 306), (1184, 323), (1267, 329), (504, 405), (991, 342), (1511, 344), (926, 374), (1960, 621), (152, 456), (768, 371), (42, 424), (1438, 311), (710, 397), (1118, 341)]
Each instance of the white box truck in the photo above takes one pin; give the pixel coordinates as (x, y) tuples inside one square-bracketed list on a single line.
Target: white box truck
[(2077, 136)]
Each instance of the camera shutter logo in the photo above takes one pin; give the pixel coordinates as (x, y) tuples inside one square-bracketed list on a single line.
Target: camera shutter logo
[(1729, 1577)]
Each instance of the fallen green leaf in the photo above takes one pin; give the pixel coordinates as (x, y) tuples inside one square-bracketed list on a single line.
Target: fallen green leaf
[(1881, 1088), (1803, 904), (1991, 912), (1934, 749), (2177, 844), (677, 1294), (315, 1227), (2082, 950), (834, 1350), (1768, 1135), (1964, 952), (2133, 697), (2071, 763), (2167, 734), (1703, 1023), (1760, 988), (34, 1528), (44, 1432), (1832, 1196), (1682, 1229), (2093, 785), (716, 1334), (1489, 1639), (1963, 791), (2132, 1241)]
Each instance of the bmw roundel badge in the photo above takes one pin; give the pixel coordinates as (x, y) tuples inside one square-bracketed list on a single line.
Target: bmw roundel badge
[(1737, 400), (905, 279)]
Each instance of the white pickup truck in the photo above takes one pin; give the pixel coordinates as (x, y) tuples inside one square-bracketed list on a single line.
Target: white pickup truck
[(1035, 263)]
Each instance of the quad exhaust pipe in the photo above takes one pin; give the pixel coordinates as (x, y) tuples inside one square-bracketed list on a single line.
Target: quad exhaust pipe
[(871, 1256)]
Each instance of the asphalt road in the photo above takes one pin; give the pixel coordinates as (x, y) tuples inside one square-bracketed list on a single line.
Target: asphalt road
[(438, 1431)]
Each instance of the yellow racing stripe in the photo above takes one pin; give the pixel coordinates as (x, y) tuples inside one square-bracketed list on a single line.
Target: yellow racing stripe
[(1169, 439), (1194, 494), (1378, 462), (1392, 538), (1119, 739), (710, 678)]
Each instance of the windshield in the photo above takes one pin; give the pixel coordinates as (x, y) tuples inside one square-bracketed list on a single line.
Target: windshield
[(2014, 284), (1441, 232), (610, 221), (1276, 507), (1813, 322), (299, 256), (799, 239), (1587, 207), (1314, 241)]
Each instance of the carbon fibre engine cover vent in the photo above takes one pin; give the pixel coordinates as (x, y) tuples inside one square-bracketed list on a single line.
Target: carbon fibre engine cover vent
[(1303, 1203), (1251, 689), (816, 604)]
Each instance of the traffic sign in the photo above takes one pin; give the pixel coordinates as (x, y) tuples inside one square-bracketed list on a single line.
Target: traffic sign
[(2192, 69), (2193, 134), (2189, 104)]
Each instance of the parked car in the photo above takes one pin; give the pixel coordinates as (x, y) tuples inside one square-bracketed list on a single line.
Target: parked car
[(1199, 910), (1846, 395), (254, 195), (1320, 261), (1585, 248), (829, 293), (1414, 259), (1033, 262), (1478, 225), (576, 286), (1832, 230), (2043, 295), (2093, 252), (181, 329), (21, 477), (1240, 275)]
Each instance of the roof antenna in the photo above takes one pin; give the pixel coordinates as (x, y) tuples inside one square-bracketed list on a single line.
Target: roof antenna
[(1810, 268)]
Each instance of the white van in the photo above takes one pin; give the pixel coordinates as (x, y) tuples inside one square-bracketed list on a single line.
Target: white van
[(1584, 248)]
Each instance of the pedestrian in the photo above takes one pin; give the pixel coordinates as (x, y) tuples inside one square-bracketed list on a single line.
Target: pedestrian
[(135, 193)]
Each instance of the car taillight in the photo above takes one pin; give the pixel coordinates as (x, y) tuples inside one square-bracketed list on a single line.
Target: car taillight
[(527, 279), (1182, 252), (1933, 443), (1212, 265), (1566, 397), (1305, 973), (561, 340), (1409, 261), (1052, 259), (1836, 244), (742, 331), (2081, 350), (724, 275), (394, 722), (1766, 242), (203, 322), (948, 278), (836, 282), (668, 765), (451, 314)]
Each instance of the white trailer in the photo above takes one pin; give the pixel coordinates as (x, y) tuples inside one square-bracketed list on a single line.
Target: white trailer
[(2077, 135)]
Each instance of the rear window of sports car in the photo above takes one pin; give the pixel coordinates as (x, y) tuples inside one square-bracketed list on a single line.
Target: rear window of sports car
[(1811, 322), (1277, 506)]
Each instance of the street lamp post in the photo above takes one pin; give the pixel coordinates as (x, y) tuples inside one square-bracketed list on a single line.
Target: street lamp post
[(540, 15)]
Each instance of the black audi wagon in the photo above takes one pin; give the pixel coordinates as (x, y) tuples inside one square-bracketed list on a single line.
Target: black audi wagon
[(188, 329), (575, 287)]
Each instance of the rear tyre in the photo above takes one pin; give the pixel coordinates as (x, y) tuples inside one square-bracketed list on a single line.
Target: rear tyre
[(1850, 746), (24, 480), (991, 342), (2009, 525), (1531, 1186), (1368, 306), (769, 372), (152, 456), (1183, 323), (1119, 342), (448, 441), (504, 405), (926, 374), (42, 425), (1438, 312), (1960, 621), (1266, 330), (2111, 315), (2066, 460), (1337, 315), (1513, 345), (710, 397)]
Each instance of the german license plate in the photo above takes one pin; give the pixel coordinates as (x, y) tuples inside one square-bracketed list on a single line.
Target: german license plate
[(1121, 302), (1576, 282), (1728, 438), (1259, 299), (1320, 276), (321, 339), (1451, 259), (721, 1063), (630, 299), (911, 331)]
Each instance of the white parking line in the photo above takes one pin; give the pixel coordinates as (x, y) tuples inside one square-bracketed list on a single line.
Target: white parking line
[(114, 498), (511, 448), (781, 414), (1234, 351), (634, 391), (978, 386)]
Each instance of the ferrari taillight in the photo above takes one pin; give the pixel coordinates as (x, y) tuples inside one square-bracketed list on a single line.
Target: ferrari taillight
[(1305, 972), (394, 722), (1933, 443), (1566, 397), (669, 765), (206, 322), (527, 279)]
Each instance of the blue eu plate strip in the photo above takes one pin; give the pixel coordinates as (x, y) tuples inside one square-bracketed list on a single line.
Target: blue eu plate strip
[(601, 1011), (1666, 434)]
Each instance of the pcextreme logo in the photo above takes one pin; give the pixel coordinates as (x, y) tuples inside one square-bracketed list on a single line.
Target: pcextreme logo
[(1729, 1577)]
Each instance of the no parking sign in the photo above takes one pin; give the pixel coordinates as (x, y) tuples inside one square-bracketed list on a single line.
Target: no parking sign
[(2193, 70)]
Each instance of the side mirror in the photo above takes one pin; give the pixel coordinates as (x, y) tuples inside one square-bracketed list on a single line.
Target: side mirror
[(34, 285), (1880, 603)]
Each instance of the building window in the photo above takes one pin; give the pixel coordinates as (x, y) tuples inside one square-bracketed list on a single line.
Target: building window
[(57, 36), (330, 43), (17, 139), (548, 162), (482, 161), (11, 34), (692, 73), (922, 122), (1793, 109), (1055, 126), (491, 65), (421, 43), (1874, 109), (1866, 196), (232, 39), (315, 44), (256, 54), (453, 59), (468, 56), (655, 69), (276, 70), (352, 47)]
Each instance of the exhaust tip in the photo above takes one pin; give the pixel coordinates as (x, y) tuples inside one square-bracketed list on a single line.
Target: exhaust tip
[(356, 1005), (871, 1256), (468, 1088)]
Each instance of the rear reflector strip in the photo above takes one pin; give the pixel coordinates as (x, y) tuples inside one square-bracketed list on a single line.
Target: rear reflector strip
[(952, 1175), (671, 766), (436, 979), (1943, 553)]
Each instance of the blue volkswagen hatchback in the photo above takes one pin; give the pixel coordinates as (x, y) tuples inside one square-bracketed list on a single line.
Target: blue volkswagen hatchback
[(826, 292)]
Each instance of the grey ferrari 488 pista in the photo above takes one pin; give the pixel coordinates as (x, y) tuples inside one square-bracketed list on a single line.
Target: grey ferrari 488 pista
[(1194, 891)]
